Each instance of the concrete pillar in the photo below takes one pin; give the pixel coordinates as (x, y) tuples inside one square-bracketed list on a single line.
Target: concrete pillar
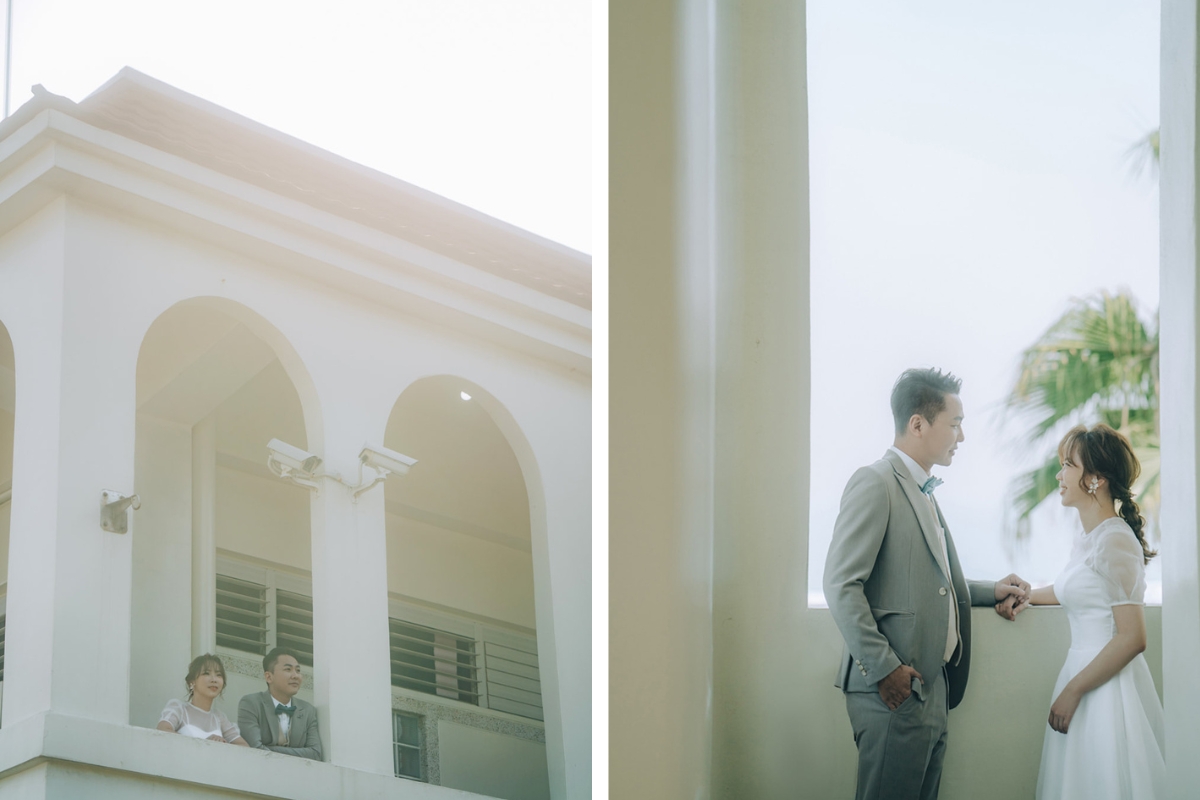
[(204, 535), (762, 396), (160, 637), (661, 184), (561, 526), (351, 655), (1179, 363), (68, 628)]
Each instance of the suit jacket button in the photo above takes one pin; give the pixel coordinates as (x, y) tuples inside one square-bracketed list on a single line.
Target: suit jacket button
[(942, 591)]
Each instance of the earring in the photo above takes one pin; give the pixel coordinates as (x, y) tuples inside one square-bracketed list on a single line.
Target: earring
[(1093, 486)]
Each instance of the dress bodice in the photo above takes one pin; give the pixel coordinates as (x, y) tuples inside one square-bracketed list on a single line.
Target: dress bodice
[(1105, 570)]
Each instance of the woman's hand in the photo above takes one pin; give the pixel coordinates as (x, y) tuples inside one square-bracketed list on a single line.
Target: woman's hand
[(216, 737), (1063, 709)]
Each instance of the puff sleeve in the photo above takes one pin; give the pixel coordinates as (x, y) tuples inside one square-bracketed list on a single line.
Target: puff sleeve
[(1118, 559), (228, 729), (173, 714)]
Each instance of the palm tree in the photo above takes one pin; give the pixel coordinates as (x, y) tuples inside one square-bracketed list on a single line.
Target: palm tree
[(1096, 363)]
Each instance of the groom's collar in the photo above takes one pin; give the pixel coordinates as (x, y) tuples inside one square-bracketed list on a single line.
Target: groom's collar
[(914, 469)]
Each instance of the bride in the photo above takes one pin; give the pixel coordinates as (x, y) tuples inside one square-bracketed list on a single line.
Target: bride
[(1104, 737)]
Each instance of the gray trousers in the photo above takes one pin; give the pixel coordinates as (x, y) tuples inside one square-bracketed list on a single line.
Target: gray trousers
[(900, 753)]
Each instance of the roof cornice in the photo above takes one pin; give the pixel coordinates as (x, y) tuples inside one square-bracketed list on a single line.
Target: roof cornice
[(53, 144)]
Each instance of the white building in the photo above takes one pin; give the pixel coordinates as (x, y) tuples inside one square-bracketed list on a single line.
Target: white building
[(180, 285)]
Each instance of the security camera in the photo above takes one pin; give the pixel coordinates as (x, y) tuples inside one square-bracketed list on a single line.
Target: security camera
[(378, 457), (285, 457)]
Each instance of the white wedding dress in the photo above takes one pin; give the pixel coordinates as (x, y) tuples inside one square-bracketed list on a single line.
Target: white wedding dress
[(1113, 747)]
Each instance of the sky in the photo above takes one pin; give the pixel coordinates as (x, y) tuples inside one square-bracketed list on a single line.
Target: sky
[(486, 103), (969, 177)]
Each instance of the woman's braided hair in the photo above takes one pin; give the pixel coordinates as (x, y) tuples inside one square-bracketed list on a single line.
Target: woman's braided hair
[(1105, 453)]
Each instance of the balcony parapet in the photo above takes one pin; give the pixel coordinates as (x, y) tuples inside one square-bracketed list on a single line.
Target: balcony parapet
[(119, 755)]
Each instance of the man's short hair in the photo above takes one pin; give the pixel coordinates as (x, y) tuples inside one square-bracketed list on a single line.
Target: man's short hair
[(921, 391), (270, 658)]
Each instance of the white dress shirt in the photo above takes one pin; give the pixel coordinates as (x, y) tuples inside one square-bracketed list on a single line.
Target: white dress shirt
[(920, 476), (285, 721)]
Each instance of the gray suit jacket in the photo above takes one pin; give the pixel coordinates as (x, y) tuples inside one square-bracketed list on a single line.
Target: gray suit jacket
[(886, 583), (260, 726)]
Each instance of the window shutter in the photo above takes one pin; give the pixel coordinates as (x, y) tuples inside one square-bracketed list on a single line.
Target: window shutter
[(434, 662), (241, 615), (294, 624)]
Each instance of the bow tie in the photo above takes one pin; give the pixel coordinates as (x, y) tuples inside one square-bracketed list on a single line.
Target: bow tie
[(928, 486), (289, 710)]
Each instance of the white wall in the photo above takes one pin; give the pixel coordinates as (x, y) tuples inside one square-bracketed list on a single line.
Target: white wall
[(492, 764), (263, 518), (462, 572), (1180, 310)]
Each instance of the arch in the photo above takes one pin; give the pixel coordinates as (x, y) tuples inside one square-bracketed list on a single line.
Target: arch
[(266, 330), (215, 381), (499, 575)]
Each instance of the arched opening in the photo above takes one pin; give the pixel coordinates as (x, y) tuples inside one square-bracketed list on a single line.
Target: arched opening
[(221, 547), (461, 598), (7, 406)]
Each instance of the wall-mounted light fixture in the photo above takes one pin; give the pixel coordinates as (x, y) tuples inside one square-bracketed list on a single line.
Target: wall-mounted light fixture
[(114, 516)]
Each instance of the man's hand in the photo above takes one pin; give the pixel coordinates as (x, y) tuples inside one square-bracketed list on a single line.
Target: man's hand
[(1012, 596), (896, 687)]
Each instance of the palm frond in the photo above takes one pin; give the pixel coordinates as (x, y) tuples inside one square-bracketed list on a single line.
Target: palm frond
[(1097, 362), (1096, 353), (1143, 155)]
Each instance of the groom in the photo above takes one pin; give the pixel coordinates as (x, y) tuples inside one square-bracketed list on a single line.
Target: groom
[(276, 719), (897, 593)]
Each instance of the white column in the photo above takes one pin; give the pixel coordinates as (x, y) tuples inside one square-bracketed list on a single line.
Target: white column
[(161, 637), (1180, 305), (661, 399), (204, 535), (68, 629), (33, 530), (351, 670), (762, 394), (561, 528)]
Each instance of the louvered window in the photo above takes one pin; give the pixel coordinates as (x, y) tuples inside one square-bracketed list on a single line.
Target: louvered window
[(241, 615), (406, 745), (294, 624), (259, 609), (434, 662), (460, 659)]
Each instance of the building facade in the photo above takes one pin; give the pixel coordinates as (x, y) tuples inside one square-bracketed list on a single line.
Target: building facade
[(180, 286)]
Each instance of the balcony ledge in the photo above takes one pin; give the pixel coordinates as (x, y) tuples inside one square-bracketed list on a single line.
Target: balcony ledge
[(141, 753)]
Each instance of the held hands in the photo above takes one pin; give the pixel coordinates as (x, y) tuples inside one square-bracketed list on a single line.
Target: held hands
[(1064, 709), (1012, 596), (897, 686)]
